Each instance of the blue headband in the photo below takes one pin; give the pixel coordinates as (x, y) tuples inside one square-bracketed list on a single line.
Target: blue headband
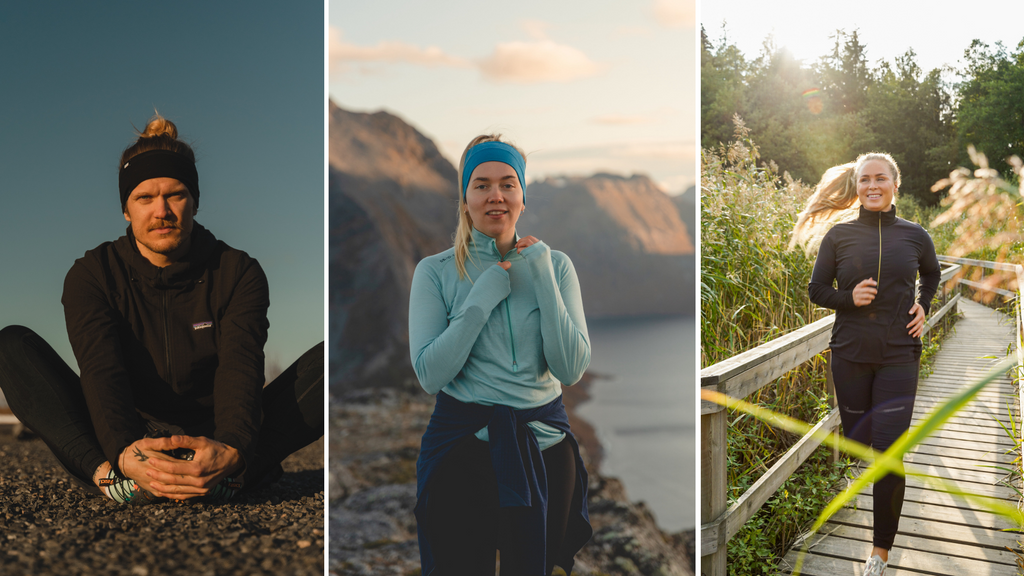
[(493, 152)]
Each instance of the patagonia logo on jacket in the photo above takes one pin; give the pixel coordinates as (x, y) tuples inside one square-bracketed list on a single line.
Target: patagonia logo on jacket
[(201, 325)]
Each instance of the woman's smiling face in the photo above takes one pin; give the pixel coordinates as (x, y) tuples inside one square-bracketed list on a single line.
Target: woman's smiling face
[(875, 186), (494, 200)]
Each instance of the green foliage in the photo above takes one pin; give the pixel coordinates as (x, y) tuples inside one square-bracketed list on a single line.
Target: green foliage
[(721, 78), (910, 117), (757, 549), (777, 111), (991, 110), (920, 118), (845, 76)]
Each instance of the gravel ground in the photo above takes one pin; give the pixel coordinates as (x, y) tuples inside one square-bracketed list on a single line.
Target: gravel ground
[(50, 528)]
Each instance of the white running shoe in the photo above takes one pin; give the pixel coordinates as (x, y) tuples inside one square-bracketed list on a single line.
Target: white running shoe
[(875, 566)]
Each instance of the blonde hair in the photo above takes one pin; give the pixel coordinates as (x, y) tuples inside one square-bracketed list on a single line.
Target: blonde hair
[(835, 200), (159, 134), (464, 229)]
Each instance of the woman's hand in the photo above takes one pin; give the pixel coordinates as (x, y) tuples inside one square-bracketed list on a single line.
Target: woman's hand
[(916, 325), (525, 243), (864, 292)]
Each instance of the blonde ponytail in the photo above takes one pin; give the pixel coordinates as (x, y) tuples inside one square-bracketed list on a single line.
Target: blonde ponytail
[(834, 200)]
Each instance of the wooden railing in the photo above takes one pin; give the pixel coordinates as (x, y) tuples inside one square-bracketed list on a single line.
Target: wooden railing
[(738, 377), (1018, 270)]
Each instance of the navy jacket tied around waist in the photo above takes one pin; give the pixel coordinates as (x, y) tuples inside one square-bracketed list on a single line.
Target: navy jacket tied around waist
[(518, 466)]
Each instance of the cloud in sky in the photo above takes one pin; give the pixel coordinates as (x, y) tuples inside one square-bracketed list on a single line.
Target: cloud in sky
[(341, 52), (675, 13), (536, 61)]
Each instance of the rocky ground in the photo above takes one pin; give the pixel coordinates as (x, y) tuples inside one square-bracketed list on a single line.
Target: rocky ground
[(374, 443), (50, 528)]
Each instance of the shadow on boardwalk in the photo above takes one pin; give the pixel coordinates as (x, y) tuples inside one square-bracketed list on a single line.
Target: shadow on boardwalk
[(48, 527)]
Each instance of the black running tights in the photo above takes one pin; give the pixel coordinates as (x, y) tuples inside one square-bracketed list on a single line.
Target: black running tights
[(466, 525), (876, 403)]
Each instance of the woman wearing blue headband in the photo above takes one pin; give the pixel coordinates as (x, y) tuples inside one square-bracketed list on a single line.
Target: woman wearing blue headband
[(496, 326)]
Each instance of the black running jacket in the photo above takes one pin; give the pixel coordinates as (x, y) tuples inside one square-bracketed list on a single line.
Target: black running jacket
[(181, 345), (892, 251)]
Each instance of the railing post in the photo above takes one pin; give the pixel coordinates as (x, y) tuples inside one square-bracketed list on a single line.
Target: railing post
[(1019, 271), (830, 386), (713, 485)]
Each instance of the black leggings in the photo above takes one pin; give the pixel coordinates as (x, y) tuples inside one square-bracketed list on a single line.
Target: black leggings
[(465, 524), (46, 395), (876, 404)]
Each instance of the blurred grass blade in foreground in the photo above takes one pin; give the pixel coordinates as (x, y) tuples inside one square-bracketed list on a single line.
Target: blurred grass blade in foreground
[(891, 461)]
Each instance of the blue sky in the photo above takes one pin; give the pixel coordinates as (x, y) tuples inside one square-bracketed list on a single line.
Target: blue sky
[(582, 86), (243, 82)]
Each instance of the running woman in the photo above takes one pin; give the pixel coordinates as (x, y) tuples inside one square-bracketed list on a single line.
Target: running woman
[(866, 270)]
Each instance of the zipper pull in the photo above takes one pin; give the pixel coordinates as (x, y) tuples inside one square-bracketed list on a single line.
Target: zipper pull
[(515, 366), (878, 278)]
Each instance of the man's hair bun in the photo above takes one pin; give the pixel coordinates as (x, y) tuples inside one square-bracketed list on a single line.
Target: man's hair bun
[(160, 126)]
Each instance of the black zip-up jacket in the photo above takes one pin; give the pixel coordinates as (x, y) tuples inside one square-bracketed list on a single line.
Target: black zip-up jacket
[(892, 251), (181, 345)]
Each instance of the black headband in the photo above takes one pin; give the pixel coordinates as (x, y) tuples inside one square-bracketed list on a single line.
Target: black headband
[(158, 164)]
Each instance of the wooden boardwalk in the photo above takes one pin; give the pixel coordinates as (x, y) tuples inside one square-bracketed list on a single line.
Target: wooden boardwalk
[(941, 534)]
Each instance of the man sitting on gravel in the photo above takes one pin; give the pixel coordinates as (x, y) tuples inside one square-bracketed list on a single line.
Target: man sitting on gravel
[(168, 326)]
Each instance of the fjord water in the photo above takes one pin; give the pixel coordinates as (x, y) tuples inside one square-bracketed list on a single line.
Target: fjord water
[(642, 406)]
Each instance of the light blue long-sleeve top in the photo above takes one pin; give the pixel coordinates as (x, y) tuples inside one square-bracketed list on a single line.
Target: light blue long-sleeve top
[(497, 337)]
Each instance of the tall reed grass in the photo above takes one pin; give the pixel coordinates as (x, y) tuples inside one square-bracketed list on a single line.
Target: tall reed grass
[(753, 290)]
